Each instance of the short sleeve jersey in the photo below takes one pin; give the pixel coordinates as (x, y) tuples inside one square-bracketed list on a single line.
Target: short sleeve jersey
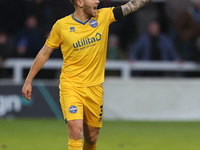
[(83, 46)]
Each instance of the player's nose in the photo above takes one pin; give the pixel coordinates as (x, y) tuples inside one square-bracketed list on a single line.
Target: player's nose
[(97, 1)]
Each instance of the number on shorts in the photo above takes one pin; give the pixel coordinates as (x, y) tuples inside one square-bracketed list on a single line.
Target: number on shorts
[(101, 114)]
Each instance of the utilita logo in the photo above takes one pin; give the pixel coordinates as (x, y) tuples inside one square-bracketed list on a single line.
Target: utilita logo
[(87, 41)]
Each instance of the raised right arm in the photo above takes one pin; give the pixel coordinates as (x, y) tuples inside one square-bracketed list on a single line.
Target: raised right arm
[(38, 63)]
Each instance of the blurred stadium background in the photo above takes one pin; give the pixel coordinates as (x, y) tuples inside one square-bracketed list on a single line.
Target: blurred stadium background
[(148, 104)]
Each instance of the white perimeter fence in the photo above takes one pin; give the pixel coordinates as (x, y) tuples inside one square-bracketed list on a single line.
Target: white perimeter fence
[(152, 99), (125, 67), (129, 98)]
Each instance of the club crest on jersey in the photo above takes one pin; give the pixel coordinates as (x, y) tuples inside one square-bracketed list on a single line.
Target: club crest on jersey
[(72, 29), (73, 109), (93, 23)]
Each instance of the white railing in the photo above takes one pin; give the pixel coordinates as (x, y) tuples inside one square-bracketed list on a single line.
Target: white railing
[(124, 66)]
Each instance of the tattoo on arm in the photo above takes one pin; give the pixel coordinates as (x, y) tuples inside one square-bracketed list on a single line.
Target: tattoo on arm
[(129, 5), (132, 6)]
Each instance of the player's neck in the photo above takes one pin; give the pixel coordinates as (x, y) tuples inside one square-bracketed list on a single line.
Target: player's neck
[(81, 16)]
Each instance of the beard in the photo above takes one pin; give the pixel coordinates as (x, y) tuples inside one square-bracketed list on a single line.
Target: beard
[(89, 10)]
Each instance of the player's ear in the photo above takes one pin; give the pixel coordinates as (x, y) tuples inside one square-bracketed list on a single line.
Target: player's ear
[(80, 3)]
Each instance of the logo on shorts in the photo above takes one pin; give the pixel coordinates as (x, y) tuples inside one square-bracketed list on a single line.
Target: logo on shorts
[(93, 23), (73, 109)]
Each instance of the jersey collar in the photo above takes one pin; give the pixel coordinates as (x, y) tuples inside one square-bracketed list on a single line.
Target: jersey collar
[(83, 23)]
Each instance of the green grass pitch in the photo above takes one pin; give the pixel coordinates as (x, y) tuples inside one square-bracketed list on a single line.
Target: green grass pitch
[(51, 134)]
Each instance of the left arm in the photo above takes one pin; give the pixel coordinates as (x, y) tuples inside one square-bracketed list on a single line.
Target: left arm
[(132, 6), (128, 8)]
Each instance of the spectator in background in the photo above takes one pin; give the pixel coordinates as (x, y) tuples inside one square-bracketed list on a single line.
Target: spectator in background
[(188, 28), (6, 48), (114, 52), (43, 11), (29, 40), (153, 46), (173, 8), (144, 17), (196, 49)]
